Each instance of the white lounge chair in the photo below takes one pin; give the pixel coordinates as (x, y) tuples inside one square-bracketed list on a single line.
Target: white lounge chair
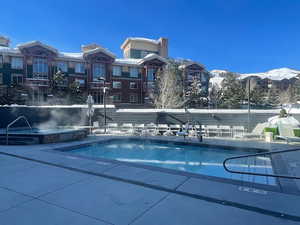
[(127, 128), (174, 128), (112, 128), (150, 129), (162, 128), (212, 130), (238, 131), (225, 130), (139, 128)]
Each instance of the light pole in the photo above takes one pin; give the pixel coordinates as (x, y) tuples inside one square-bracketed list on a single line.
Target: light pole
[(249, 106), (104, 100)]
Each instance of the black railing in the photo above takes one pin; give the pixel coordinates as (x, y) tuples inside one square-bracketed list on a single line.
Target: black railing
[(259, 174)]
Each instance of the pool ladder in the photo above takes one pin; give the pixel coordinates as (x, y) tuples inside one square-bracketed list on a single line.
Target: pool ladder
[(260, 174), (13, 122)]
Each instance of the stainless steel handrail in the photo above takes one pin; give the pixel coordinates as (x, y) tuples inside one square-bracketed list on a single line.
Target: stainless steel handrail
[(259, 174), (13, 122)]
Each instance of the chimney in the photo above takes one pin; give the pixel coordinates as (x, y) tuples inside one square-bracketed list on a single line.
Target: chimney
[(163, 47), (89, 47), (4, 41)]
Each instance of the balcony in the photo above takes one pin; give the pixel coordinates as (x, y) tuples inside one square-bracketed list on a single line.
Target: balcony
[(37, 82)]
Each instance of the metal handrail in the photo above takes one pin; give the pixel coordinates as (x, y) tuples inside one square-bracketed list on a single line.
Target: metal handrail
[(13, 122), (259, 174)]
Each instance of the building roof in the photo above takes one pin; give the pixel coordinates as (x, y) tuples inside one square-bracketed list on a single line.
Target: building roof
[(34, 43), (152, 41), (99, 49), (128, 61), (152, 56), (187, 64), (276, 74)]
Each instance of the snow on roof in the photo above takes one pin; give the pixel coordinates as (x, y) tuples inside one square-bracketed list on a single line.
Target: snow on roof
[(9, 50), (218, 72), (187, 64), (128, 61), (74, 55), (99, 49), (276, 74), (152, 56), (139, 39), (34, 43)]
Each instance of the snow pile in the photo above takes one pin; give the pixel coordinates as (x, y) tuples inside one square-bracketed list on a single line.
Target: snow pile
[(276, 120), (129, 61), (276, 74), (9, 50)]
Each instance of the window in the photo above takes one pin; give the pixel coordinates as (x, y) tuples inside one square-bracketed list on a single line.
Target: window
[(16, 63), (151, 74), (133, 85), (1, 78), (79, 68), (1, 61), (134, 72), (117, 84), (98, 71), (133, 98), (117, 71), (62, 66), (80, 81), (40, 67), (117, 97), (17, 79)]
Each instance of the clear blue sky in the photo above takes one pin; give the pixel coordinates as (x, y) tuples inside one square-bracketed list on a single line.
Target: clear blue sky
[(238, 35)]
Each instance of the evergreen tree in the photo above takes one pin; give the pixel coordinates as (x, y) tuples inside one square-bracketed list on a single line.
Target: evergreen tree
[(273, 96), (232, 92), (194, 93), (257, 96)]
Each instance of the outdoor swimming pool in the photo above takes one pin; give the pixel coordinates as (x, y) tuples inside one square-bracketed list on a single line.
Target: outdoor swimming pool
[(183, 157)]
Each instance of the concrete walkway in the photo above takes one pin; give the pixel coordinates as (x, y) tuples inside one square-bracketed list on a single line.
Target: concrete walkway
[(42, 187)]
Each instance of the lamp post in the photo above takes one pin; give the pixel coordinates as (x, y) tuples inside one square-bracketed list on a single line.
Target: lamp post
[(104, 99), (249, 106)]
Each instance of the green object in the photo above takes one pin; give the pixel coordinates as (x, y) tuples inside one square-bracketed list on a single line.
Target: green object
[(274, 130), (297, 132)]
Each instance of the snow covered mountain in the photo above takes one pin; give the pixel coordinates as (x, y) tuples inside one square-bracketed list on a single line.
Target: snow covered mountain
[(276, 74)]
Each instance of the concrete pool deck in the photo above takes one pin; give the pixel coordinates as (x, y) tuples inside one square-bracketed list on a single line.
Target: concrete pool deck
[(40, 186)]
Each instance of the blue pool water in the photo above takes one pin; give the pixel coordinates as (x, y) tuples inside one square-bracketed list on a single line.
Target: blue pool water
[(188, 158)]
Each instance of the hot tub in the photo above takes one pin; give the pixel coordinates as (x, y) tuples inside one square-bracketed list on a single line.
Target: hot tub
[(41, 136)]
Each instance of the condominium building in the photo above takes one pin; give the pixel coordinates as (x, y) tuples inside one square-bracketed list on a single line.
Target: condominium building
[(130, 79)]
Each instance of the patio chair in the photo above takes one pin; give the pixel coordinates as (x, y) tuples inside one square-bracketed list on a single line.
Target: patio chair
[(127, 128), (286, 132), (185, 130), (225, 130), (162, 128), (112, 128), (212, 130), (96, 128), (238, 131), (138, 128), (174, 128), (151, 129)]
